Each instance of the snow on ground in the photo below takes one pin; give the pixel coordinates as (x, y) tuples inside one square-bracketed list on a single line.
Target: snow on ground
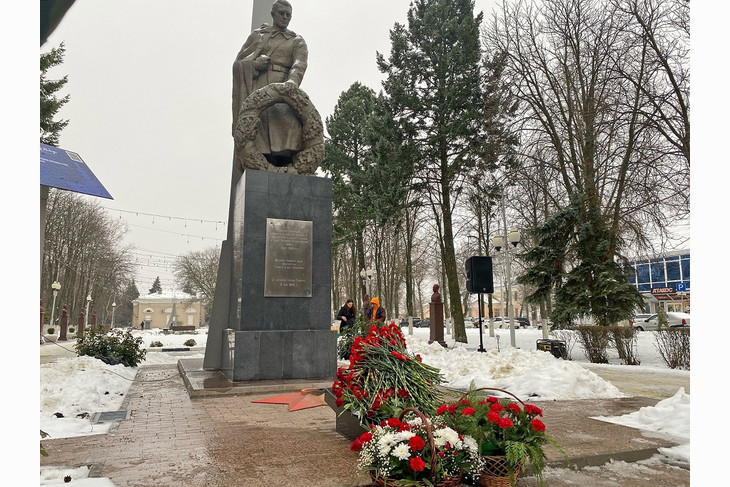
[(72, 386)]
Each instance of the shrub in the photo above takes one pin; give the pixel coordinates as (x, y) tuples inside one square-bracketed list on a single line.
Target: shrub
[(624, 338), (120, 347), (156, 343), (51, 330), (673, 347), (594, 340), (190, 343), (71, 329)]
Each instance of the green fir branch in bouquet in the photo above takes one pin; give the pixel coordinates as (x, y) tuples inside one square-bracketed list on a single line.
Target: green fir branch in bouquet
[(384, 378), (501, 427), (347, 337)]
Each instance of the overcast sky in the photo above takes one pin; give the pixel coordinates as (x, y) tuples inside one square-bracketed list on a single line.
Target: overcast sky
[(150, 107)]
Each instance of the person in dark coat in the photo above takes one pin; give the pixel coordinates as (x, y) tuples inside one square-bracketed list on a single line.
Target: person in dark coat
[(346, 315)]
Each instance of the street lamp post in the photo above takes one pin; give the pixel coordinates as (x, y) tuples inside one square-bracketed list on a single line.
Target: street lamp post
[(56, 286), (114, 306), (499, 242), (86, 315)]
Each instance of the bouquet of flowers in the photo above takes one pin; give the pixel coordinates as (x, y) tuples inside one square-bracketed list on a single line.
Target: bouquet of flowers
[(501, 427), (384, 378), (417, 452)]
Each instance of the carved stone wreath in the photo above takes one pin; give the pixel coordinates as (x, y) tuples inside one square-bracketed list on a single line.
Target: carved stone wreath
[(305, 161)]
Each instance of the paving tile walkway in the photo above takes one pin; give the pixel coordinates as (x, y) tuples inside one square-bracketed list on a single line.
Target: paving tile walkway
[(173, 440)]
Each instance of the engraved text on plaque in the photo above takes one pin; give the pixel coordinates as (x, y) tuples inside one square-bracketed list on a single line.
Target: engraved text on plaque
[(288, 266)]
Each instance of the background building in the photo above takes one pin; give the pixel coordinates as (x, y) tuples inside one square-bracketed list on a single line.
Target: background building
[(664, 281), (163, 309)]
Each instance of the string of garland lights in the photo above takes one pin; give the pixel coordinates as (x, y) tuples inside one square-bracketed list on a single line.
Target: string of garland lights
[(153, 264), (185, 220)]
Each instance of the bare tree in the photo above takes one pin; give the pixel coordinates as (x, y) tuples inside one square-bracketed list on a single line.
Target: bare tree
[(83, 250), (197, 271), (588, 125)]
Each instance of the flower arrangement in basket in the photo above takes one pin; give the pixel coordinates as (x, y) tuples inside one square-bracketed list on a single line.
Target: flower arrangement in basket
[(416, 452), (509, 433), (384, 378)]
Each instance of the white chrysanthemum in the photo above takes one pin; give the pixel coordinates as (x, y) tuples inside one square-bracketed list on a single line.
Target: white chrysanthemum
[(446, 435), (415, 421), (404, 436), (401, 451), (471, 444), (385, 443)]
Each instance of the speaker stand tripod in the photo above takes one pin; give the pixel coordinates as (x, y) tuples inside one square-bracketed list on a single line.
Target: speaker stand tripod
[(481, 334)]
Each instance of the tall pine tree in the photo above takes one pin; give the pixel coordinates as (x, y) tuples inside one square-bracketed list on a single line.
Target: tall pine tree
[(50, 102), (434, 84)]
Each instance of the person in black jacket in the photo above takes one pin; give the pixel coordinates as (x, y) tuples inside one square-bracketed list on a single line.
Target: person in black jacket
[(346, 315)]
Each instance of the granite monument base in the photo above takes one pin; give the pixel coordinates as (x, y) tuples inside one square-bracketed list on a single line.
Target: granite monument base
[(275, 299), (282, 354)]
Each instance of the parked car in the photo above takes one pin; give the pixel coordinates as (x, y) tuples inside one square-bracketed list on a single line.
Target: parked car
[(639, 318), (417, 322), (674, 320), (501, 322), (522, 322)]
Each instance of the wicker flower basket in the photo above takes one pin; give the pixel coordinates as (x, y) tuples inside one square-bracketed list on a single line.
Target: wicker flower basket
[(381, 482), (496, 471), (447, 482)]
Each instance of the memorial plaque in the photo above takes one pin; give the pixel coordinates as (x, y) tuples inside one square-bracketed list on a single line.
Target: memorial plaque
[(288, 264)]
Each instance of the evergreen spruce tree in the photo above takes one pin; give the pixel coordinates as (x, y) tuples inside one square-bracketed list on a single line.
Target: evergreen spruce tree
[(434, 84), (50, 102), (156, 286), (345, 161), (573, 261), (125, 306), (364, 160)]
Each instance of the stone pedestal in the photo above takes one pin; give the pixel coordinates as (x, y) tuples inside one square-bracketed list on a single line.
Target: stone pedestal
[(436, 308), (279, 310)]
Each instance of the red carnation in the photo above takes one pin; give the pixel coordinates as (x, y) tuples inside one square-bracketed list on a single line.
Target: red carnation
[(452, 408), (492, 399), (441, 409), (399, 355), (533, 409), (416, 443), (468, 411), (356, 445), (339, 401), (365, 437), (538, 425), (505, 423), (493, 417), (514, 408), (394, 422), (496, 407), (417, 464), (403, 393)]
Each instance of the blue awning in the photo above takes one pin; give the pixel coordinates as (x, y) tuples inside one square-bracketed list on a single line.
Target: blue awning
[(64, 169)]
